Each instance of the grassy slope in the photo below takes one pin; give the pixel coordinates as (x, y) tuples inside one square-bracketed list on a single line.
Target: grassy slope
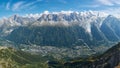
[(11, 58)]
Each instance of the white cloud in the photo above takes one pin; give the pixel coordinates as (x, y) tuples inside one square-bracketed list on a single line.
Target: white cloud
[(29, 4), (46, 12), (8, 6), (109, 2), (17, 5), (106, 2), (112, 11), (22, 5), (91, 6)]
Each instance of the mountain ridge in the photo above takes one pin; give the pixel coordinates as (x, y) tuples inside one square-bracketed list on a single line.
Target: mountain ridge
[(62, 29)]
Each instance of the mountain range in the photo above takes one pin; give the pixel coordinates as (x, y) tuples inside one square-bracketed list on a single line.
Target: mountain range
[(64, 39), (62, 29)]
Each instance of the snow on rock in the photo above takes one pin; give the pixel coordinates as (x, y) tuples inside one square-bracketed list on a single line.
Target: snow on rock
[(83, 19)]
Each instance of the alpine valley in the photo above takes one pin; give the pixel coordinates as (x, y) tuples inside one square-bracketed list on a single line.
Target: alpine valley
[(65, 39)]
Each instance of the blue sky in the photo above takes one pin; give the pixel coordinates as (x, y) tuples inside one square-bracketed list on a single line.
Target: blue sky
[(22, 7)]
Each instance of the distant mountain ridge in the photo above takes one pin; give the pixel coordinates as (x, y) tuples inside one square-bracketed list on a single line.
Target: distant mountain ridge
[(62, 28), (66, 18)]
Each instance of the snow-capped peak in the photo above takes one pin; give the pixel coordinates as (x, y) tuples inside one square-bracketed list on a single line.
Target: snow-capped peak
[(95, 13), (36, 16), (83, 19), (84, 13)]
